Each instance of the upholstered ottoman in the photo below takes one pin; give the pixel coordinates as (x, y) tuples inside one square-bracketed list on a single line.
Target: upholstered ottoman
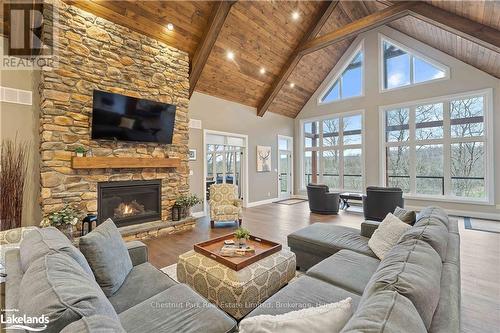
[(236, 292)]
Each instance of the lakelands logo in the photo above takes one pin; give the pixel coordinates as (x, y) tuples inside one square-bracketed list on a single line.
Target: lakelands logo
[(29, 28), (11, 320)]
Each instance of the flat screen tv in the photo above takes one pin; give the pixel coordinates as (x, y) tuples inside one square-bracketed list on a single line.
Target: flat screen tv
[(125, 118)]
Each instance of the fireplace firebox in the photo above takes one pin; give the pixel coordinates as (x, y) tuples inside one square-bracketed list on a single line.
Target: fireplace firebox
[(129, 202)]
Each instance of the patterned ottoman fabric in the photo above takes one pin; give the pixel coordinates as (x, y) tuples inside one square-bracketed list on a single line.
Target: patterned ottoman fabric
[(236, 292)]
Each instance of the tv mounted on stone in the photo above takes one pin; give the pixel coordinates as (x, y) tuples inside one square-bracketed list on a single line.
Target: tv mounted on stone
[(126, 118)]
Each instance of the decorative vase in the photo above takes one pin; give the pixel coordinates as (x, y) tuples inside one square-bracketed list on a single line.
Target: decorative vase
[(79, 154), (242, 243), (67, 230), (185, 212)]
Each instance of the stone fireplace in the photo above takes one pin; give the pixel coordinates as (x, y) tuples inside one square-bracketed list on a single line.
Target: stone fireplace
[(129, 202), (97, 54)]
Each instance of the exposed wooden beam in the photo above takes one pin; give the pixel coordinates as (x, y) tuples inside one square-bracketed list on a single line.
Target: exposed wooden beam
[(366, 23), (473, 31), (295, 57), (200, 57)]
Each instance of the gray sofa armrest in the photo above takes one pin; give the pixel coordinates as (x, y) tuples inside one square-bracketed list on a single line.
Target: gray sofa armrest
[(138, 252), (368, 228)]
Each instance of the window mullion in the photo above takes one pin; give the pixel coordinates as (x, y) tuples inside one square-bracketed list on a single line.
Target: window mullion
[(447, 148), (320, 153), (413, 151), (341, 152)]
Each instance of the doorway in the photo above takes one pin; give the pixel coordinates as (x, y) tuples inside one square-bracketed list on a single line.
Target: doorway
[(225, 162), (285, 167)]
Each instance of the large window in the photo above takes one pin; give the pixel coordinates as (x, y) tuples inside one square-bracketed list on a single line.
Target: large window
[(438, 148), (348, 84), (333, 152), (403, 67)]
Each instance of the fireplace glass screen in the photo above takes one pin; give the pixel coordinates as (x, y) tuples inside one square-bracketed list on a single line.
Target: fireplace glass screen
[(129, 202)]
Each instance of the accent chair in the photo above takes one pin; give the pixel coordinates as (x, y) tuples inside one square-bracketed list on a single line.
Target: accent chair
[(321, 200), (380, 201), (224, 204)]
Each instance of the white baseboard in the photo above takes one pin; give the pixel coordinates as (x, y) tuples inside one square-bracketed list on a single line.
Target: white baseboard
[(468, 213), (199, 214), (261, 202)]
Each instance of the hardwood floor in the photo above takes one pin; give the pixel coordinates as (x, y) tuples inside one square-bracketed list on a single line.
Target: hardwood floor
[(480, 254)]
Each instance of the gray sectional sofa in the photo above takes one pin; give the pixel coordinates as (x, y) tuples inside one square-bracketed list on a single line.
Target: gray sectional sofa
[(52, 277), (415, 288)]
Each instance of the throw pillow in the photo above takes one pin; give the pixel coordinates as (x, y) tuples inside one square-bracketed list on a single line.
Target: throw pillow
[(325, 318), (387, 235), (57, 286), (107, 255), (42, 241), (407, 216)]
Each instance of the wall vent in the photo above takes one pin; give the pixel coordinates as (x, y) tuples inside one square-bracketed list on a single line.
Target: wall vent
[(16, 96), (195, 123)]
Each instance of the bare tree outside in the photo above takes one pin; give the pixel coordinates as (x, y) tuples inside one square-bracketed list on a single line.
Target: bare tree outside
[(467, 152)]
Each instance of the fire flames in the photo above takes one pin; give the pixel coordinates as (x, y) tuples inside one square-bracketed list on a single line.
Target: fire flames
[(129, 209)]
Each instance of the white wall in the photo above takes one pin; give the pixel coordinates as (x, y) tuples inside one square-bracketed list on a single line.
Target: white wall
[(463, 78), (221, 115)]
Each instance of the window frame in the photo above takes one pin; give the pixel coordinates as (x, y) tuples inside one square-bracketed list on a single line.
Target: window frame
[(338, 76), (381, 65), (447, 140), (340, 147)]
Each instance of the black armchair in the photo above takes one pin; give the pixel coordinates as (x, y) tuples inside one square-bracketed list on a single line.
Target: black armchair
[(321, 201), (379, 201)]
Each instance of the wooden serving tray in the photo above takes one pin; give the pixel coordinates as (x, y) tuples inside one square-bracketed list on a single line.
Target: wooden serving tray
[(263, 248)]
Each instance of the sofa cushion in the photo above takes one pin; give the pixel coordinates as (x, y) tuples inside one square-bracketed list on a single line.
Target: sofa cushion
[(305, 292), (435, 213), (15, 275), (94, 324), (447, 315), (177, 309), (41, 241), (386, 311), (346, 269), (57, 286), (407, 216), (432, 232), (107, 255), (324, 318), (413, 269), (325, 239), (143, 282), (226, 209), (387, 235)]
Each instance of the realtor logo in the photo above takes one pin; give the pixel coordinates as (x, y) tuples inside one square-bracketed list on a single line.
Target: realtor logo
[(24, 24), (12, 320)]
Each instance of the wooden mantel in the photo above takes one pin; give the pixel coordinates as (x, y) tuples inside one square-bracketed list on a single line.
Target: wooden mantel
[(104, 162)]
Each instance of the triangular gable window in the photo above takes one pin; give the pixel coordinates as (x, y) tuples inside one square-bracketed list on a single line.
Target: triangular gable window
[(349, 84), (403, 67)]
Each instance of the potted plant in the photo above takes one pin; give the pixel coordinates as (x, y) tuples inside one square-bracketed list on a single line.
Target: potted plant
[(79, 151), (185, 202), (241, 235), (64, 220)]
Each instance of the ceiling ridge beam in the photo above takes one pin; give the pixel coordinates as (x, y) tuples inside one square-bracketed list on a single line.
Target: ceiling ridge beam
[(214, 26), (473, 31), (295, 57), (372, 21)]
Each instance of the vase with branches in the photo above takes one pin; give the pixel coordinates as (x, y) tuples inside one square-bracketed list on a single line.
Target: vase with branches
[(13, 170)]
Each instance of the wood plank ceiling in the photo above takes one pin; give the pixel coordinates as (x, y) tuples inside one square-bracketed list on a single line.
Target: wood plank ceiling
[(262, 34), (484, 12)]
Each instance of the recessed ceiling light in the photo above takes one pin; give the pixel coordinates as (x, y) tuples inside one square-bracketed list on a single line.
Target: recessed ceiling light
[(295, 15), (262, 70), (170, 27), (292, 85), (230, 55)]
